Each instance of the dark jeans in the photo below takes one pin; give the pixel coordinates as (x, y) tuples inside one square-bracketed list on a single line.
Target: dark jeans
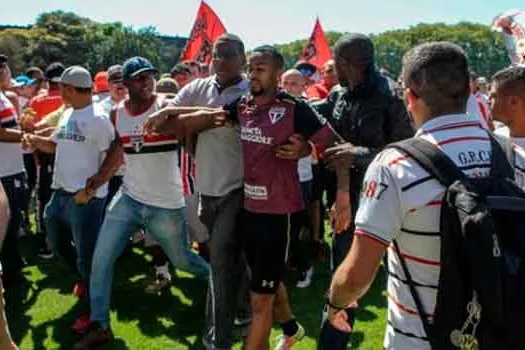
[(331, 338), (15, 187), (82, 220), (44, 191), (30, 166), (301, 247)]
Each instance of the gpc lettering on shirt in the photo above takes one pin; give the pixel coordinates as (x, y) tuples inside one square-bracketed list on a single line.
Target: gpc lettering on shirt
[(255, 135), (474, 157)]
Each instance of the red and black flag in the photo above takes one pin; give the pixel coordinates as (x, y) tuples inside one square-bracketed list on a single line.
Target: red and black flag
[(317, 50), (206, 29)]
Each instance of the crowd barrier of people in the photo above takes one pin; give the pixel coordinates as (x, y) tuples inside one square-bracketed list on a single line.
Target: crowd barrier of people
[(228, 172)]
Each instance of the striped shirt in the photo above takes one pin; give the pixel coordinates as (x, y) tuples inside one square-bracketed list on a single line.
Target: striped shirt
[(152, 173), (11, 158), (402, 201), (45, 103), (187, 172)]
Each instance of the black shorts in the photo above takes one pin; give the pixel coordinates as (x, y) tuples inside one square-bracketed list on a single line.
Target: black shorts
[(266, 247)]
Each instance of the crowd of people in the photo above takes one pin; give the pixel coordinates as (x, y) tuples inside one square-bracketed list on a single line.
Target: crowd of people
[(228, 171)]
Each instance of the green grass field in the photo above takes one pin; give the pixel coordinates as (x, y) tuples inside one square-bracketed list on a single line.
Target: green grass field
[(40, 312)]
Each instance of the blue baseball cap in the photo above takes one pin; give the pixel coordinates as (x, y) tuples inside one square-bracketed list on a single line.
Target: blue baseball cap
[(136, 65), (23, 80)]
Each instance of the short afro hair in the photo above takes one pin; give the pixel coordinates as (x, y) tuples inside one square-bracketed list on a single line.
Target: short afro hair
[(275, 56)]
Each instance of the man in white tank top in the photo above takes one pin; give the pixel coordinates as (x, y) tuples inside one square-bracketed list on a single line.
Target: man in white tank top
[(151, 196)]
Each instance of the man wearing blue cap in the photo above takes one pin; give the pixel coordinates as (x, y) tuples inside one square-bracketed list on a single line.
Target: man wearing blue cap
[(25, 89), (151, 196)]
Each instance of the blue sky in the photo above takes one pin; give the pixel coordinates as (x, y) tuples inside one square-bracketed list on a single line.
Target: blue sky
[(269, 21)]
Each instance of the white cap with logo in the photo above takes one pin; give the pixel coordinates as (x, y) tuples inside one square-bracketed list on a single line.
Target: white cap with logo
[(77, 76)]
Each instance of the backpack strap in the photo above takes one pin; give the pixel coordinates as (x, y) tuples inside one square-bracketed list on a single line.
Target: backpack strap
[(415, 294), (432, 159), (503, 162)]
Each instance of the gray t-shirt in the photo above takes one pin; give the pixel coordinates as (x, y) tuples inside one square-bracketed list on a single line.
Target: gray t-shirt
[(218, 155)]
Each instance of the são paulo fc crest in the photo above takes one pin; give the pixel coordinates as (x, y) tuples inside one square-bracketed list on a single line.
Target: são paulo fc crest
[(137, 141), (276, 114)]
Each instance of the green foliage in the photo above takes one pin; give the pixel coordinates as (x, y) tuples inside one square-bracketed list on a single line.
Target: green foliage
[(485, 48), (71, 39)]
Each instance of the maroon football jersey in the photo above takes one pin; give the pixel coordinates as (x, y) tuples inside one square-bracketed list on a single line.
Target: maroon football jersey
[(271, 184)]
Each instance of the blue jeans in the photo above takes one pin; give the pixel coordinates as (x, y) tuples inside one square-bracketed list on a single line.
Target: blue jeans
[(124, 216), (84, 222)]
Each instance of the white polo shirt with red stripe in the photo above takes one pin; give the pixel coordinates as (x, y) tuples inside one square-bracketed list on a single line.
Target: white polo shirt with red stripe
[(152, 173), (11, 157), (402, 201)]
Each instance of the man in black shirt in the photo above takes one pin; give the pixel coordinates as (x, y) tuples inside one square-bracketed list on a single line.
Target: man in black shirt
[(363, 110)]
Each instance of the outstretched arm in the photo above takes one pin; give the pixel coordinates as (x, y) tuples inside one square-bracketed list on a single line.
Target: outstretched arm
[(43, 144), (168, 119)]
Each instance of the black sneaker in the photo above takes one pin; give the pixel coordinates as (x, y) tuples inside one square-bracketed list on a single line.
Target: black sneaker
[(94, 338)]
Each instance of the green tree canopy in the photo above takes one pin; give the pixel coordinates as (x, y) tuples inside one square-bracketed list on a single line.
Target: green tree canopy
[(485, 48), (71, 39)]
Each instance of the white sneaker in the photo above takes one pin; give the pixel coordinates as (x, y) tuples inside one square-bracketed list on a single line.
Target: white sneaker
[(306, 278), (285, 342)]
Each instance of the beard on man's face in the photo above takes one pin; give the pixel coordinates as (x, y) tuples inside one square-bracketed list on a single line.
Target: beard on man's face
[(257, 91)]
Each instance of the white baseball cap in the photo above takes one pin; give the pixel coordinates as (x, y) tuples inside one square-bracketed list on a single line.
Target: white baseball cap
[(77, 76)]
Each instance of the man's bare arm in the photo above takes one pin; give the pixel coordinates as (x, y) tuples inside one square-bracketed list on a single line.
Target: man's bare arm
[(185, 123), (10, 135), (45, 132), (356, 273), (43, 144), (113, 160)]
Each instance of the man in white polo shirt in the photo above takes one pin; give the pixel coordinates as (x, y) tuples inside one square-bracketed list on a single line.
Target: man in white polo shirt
[(79, 143), (401, 202)]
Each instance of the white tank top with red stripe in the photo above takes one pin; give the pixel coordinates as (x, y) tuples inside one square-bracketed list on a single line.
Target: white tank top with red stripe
[(152, 173)]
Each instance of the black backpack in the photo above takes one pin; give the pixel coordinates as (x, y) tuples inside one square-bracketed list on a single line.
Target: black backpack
[(482, 278)]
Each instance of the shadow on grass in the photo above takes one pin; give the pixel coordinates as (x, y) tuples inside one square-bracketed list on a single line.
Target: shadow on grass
[(185, 318), (129, 301)]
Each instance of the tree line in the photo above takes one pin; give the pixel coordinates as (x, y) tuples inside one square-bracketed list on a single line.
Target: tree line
[(72, 39)]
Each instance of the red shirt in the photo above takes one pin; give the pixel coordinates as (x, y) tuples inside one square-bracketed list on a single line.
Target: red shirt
[(318, 91), (46, 103)]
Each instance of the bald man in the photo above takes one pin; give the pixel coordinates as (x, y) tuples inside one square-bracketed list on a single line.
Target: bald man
[(293, 83)]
